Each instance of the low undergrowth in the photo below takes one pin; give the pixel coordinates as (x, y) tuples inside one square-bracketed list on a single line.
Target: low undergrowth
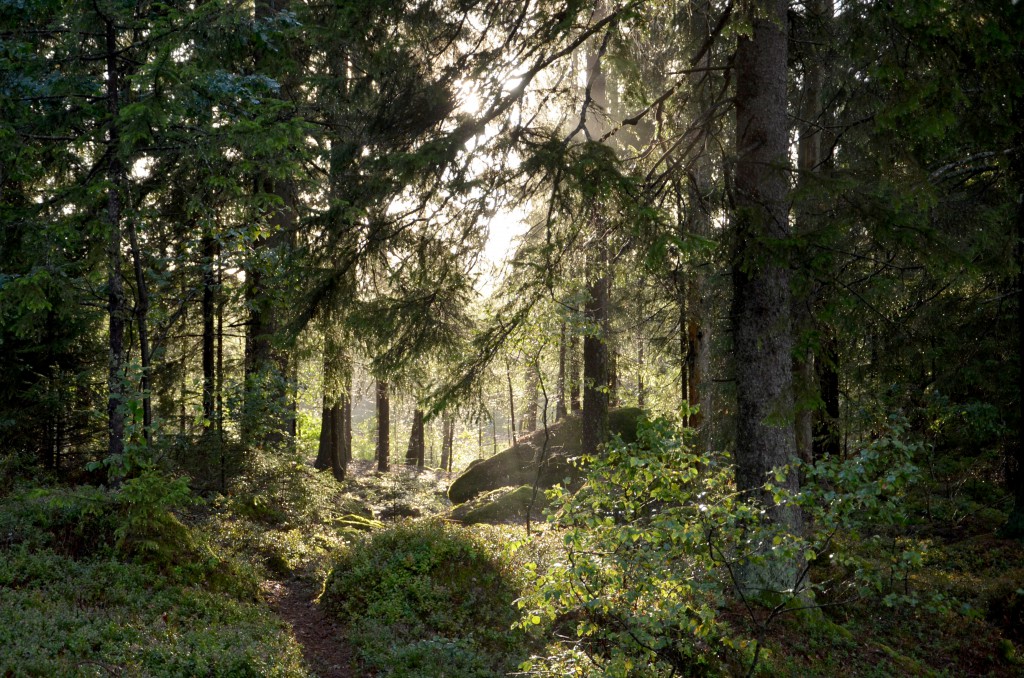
[(110, 581), (429, 599)]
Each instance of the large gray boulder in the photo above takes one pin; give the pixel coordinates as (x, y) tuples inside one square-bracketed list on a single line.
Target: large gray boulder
[(518, 465)]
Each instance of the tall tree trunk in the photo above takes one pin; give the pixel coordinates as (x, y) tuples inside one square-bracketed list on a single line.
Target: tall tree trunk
[(415, 453), (448, 442), (808, 162), (595, 355), (1015, 450), (826, 425), (267, 371), (383, 426), (221, 452), (142, 320), (115, 288), (335, 420), (613, 373), (762, 337), (511, 404), (700, 186), (575, 404), (641, 391), (560, 409), (530, 414), (209, 247)]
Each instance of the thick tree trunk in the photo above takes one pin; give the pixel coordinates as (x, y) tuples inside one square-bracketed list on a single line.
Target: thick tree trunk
[(383, 426), (762, 337), (115, 288)]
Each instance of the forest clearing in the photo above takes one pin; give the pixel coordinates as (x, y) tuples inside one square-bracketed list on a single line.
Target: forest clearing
[(474, 338)]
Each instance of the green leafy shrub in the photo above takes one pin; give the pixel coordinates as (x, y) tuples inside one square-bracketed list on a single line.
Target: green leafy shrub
[(656, 549), (426, 598)]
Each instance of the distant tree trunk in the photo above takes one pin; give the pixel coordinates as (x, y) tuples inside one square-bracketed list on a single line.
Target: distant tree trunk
[(809, 159), (511, 404), (613, 374), (448, 439), (383, 426), (414, 455), (826, 425), (595, 358), (346, 419), (115, 288), (530, 414), (209, 254), (1015, 450), (142, 320), (641, 392), (700, 186), (575, 404), (560, 409), (220, 379), (335, 446), (762, 337)]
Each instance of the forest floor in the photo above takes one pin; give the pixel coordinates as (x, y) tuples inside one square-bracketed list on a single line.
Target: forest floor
[(319, 636), (241, 595)]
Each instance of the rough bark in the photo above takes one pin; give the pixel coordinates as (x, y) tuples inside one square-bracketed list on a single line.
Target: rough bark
[(762, 337)]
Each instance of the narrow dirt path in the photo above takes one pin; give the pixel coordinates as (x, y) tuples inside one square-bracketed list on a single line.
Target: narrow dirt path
[(326, 654)]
